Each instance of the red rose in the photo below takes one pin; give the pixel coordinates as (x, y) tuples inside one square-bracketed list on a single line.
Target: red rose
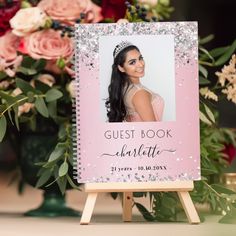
[(6, 13), (230, 151), (114, 9)]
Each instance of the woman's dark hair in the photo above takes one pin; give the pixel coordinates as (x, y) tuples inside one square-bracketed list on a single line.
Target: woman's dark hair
[(116, 110)]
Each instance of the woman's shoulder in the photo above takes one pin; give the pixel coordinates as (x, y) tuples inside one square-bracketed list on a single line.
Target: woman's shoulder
[(133, 88)]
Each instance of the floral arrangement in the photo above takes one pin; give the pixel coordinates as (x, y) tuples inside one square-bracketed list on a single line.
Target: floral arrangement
[(36, 86)]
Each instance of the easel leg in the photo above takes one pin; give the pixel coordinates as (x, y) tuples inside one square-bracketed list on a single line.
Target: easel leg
[(189, 208), (88, 208), (127, 206)]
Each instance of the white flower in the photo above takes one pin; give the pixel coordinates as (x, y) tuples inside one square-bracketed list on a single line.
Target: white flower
[(47, 79), (227, 79), (71, 88), (28, 20), (149, 2), (230, 91), (26, 107), (208, 94), (122, 21), (4, 84)]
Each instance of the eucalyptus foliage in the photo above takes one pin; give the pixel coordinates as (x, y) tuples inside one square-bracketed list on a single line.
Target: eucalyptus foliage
[(49, 103)]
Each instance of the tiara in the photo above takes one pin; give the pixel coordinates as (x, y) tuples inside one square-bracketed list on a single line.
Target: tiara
[(122, 45)]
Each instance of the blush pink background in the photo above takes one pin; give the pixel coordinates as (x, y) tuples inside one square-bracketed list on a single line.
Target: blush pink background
[(184, 164)]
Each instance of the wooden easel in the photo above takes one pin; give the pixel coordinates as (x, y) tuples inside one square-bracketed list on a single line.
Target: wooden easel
[(181, 187)]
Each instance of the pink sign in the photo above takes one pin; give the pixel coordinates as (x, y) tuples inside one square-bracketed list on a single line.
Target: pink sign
[(137, 114)]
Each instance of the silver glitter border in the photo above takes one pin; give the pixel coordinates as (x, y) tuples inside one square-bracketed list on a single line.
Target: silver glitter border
[(185, 38)]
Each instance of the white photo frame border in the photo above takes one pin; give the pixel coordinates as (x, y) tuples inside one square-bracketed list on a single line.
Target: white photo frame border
[(158, 53)]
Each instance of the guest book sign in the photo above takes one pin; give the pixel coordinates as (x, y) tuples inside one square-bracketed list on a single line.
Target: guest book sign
[(133, 148)]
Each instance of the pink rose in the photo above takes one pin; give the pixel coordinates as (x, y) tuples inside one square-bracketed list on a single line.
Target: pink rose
[(28, 20), (9, 60), (69, 11), (48, 44)]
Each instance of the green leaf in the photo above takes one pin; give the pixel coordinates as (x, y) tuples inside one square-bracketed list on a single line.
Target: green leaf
[(62, 182), (30, 96), (63, 169), (49, 164), (27, 62), (32, 122), (203, 81), (2, 108), (39, 64), (225, 57), (204, 119), (222, 189), (41, 86), (62, 132), (205, 171), (209, 113), (203, 71), (72, 184), (145, 213), (58, 152), (213, 201), (218, 51), (169, 202), (41, 107), (20, 99), (24, 86), (3, 127), (166, 212), (206, 54), (70, 158), (52, 109), (45, 176), (55, 171), (10, 116), (16, 118), (2, 75), (7, 97), (26, 71), (206, 39), (53, 94), (231, 135)]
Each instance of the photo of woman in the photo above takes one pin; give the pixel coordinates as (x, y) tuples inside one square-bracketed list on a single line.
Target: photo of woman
[(129, 100)]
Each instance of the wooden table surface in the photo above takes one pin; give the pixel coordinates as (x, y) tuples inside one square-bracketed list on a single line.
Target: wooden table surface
[(106, 220)]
